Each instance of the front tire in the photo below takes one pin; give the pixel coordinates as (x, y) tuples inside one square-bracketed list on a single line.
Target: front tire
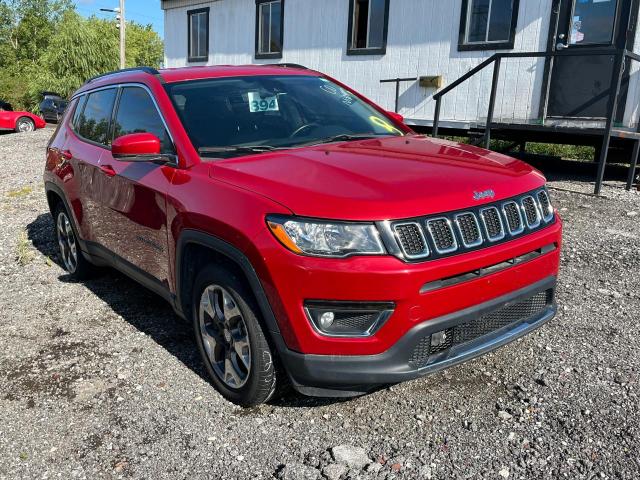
[(230, 338), (24, 125)]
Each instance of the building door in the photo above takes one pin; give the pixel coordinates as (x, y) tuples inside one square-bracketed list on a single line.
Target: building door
[(579, 86)]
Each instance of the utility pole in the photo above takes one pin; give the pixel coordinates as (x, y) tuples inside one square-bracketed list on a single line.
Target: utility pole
[(122, 26), (123, 36)]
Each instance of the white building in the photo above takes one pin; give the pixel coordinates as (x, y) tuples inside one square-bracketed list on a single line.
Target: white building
[(361, 42)]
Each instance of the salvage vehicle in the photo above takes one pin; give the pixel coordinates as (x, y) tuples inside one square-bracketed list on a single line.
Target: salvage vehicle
[(310, 237), (20, 121)]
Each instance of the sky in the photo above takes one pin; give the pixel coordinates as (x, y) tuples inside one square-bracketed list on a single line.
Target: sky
[(140, 11)]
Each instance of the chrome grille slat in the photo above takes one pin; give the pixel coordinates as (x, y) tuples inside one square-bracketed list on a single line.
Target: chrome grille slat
[(492, 221), (469, 229), (513, 216), (411, 240), (545, 205), (531, 213), (444, 240)]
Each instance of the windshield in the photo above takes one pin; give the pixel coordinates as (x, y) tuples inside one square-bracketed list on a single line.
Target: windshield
[(268, 112)]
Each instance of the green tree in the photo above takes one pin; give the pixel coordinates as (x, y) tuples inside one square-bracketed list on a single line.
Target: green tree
[(144, 46), (46, 45)]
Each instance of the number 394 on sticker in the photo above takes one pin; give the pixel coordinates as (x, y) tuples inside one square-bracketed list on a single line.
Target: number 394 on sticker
[(259, 104)]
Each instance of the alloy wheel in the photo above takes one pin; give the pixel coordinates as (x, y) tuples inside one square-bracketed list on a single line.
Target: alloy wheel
[(26, 126), (67, 242), (224, 336)]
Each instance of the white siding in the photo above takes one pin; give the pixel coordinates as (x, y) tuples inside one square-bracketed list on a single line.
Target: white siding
[(632, 108), (422, 40)]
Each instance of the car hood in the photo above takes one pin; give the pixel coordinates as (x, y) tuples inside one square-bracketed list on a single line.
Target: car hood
[(380, 179)]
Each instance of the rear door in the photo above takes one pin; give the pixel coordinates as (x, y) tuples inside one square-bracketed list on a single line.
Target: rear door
[(134, 208), (90, 125)]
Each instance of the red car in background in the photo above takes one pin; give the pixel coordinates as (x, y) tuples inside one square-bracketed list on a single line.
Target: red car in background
[(19, 121)]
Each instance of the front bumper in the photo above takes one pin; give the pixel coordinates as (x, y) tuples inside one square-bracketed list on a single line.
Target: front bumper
[(289, 280), (336, 375)]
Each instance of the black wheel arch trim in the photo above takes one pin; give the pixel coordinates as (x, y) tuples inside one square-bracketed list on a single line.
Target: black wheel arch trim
[(52, 187), (189, 236)]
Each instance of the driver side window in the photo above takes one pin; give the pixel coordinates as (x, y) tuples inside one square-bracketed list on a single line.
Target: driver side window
[(138, 114)]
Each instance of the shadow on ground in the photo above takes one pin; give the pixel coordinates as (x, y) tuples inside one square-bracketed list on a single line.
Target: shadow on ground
[(144, 310)]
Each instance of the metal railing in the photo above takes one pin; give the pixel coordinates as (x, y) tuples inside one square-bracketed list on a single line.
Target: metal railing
[(612, 106)]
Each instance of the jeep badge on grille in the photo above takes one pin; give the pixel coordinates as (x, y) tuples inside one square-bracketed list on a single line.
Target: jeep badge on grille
[(484, 194)]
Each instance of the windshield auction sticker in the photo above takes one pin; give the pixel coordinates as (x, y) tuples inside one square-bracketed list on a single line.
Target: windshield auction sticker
[(259, 104)]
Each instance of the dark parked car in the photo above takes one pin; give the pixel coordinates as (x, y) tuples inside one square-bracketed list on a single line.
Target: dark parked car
[(52, 107)]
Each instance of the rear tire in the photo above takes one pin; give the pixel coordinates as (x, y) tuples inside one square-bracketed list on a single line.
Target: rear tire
[(78, 267), (230, 338), (25, 125)]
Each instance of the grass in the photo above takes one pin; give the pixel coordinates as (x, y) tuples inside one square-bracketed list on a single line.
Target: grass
[(568, 152), (21, 192), (24, 253)]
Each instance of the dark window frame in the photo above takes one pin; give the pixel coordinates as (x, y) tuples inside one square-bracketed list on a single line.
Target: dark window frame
[(351, 50), (190, 13), (463, 46), (271, 55)]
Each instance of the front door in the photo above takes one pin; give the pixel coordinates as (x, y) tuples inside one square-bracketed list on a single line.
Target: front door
[(579, 85), (134, 211)]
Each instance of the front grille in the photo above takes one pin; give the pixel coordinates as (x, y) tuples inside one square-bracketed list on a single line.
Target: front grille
[(442, 235), (468, 229), (492, 223), (411, 240), (481, 326), (514, 218), (530, 211)]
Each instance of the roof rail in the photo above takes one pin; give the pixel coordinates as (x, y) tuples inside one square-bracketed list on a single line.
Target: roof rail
[(286, 65), (149, 70)]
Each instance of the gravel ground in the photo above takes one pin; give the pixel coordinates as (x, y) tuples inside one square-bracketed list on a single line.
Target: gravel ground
[(100, 380)]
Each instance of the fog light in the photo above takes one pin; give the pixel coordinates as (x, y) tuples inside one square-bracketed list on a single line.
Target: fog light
[(326, 319), (347, 319)]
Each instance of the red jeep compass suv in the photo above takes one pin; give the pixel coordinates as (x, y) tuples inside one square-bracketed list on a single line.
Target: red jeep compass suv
[(311, 237)]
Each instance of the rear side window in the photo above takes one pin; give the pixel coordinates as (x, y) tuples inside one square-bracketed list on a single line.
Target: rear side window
[(95, 119), (138, 114), (78, 111)]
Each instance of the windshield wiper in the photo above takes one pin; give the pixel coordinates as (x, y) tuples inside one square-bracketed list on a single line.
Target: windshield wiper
[(346, 137), (239, 149)]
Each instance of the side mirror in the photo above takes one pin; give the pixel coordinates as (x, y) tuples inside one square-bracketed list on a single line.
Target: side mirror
[(396, 117), (139, 147)]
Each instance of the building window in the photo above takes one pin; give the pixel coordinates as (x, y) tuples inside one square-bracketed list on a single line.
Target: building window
[(368, 26), (269, 31), (198, 35), (488, 24)]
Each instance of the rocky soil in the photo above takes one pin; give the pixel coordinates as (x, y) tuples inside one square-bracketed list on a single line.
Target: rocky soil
[(100, 380)]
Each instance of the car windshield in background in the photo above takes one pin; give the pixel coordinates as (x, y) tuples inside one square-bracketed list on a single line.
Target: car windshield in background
[(239, 115)]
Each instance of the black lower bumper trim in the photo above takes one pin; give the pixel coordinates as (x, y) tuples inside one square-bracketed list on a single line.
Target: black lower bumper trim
[(343, 375)]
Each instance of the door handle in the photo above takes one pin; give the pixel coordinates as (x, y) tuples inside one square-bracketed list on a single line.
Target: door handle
[(108, 170), (561, 46)]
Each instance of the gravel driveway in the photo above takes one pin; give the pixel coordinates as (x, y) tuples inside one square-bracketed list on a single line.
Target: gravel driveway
[(100, 379)]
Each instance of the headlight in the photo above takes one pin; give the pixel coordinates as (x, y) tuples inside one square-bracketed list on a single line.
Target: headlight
[(326, 239)]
